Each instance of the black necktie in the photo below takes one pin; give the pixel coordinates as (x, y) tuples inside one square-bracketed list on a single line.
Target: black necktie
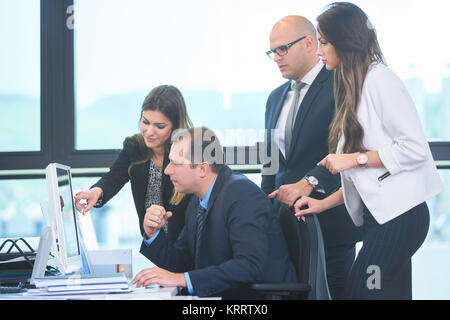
[(201, 217)]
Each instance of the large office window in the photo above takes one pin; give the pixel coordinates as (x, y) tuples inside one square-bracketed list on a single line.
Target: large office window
[(19, 76), (99, 59), (214, 52), (431, 262), (20, 212)]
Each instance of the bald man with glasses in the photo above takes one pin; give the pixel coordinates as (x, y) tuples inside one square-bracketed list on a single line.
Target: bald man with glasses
[(300, 111)]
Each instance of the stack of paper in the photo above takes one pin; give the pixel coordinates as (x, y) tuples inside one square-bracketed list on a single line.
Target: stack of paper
[(77, 284)]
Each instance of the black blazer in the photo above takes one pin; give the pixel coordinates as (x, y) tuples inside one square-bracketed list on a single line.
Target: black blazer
[(117, 177), (243, 242), (309, 146)]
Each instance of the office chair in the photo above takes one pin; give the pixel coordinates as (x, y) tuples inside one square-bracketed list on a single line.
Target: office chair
[(306, 250)]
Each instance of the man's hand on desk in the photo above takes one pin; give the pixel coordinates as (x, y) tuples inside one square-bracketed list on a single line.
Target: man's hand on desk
[(159, 276)]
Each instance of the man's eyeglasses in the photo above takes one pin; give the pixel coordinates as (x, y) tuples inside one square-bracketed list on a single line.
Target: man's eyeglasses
[(282, 50)]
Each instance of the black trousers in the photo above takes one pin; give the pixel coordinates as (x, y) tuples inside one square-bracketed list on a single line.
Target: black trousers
[(382, 270), (339, 261)]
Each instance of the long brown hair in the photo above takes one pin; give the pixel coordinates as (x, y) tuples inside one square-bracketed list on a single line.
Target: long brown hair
[(170, 102), (354, 38)]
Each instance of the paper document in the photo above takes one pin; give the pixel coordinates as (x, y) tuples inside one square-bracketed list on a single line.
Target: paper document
[(83, 287), (84, 279), (44, 292)]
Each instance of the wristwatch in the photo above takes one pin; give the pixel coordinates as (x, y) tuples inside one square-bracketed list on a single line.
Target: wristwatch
[(312, 181), (362, 159)]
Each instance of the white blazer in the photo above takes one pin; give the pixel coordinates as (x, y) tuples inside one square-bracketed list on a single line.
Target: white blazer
[(393, 128)]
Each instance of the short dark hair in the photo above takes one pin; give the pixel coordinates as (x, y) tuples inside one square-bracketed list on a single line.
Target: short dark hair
[(204, 147)]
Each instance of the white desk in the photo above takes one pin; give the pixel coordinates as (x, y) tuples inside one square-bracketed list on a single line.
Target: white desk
[(166, 293), (139, 263)]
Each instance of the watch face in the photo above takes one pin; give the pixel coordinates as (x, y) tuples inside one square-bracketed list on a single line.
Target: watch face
[(362, 158), (313, 181)]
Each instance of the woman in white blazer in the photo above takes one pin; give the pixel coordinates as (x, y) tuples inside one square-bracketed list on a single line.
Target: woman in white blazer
[(378, 145)]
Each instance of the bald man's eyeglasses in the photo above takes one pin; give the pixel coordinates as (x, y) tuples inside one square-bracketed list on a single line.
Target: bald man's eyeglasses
[(282, 50)]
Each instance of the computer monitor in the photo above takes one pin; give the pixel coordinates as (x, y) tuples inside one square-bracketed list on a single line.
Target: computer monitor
[(64, 220)]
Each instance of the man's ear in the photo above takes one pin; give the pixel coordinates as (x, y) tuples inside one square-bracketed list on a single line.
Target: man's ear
[(205, 169), (310, 45)]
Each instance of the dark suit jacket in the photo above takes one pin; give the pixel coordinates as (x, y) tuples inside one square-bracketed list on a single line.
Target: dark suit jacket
[(310, 145), (115, 179), (243, 242)]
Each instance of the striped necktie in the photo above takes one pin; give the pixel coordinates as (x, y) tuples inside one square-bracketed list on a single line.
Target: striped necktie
[(291, 118), (201, 217)]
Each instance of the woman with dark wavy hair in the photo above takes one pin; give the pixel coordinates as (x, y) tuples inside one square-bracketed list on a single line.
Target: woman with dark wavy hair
[(142, 162), (378, 145)]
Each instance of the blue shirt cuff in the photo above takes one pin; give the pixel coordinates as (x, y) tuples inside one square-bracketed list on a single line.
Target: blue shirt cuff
[(190, 288), (148, 242)]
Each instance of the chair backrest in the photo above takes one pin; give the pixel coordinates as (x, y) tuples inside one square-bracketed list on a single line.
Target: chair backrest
[(297, 242), (306, 251)]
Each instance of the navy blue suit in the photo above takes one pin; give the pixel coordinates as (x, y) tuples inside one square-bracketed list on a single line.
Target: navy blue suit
[(242, 241), (310, 145)]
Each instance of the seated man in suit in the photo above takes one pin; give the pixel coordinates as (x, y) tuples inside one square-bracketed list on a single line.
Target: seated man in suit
[(230, 237)]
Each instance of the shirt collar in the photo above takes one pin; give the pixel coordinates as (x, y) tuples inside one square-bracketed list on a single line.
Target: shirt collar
[(205, 200), (309, 78)]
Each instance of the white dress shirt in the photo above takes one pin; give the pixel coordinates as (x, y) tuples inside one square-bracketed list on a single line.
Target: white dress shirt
[(308, 79), (393, 128)]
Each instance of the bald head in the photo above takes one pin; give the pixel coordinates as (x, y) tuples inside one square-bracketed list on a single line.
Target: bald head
[(301, 54), (296, 25)]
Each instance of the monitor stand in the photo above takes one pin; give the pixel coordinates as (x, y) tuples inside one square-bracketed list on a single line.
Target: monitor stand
[(40, 264)]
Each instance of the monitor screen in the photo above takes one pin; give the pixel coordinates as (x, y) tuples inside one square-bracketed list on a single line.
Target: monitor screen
[(69, 220), (64, 219)]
